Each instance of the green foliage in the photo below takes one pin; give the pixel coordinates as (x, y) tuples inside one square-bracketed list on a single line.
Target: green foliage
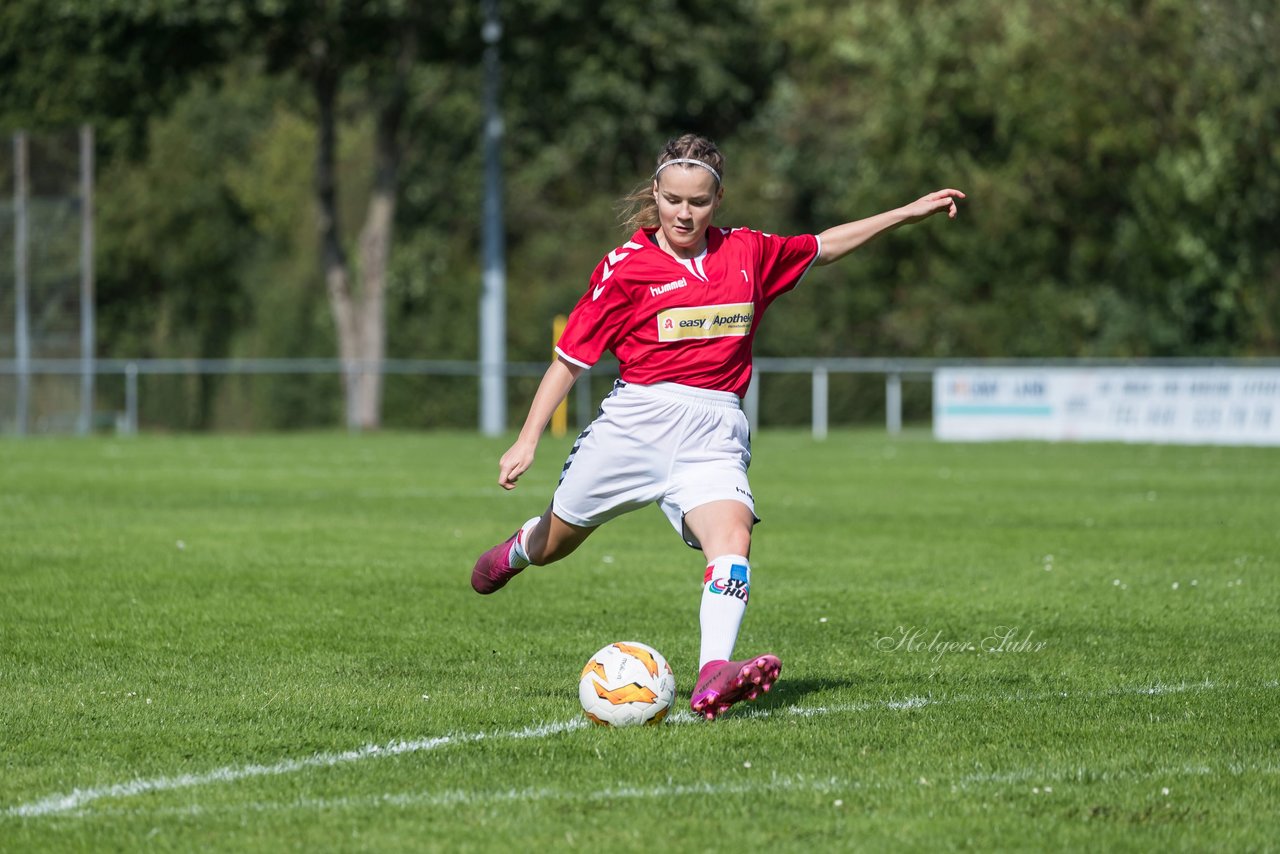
[(1113, 154), (592, 90), (597, 87), (1206, 209), (113, 63), (173, 241), (1122, 162)]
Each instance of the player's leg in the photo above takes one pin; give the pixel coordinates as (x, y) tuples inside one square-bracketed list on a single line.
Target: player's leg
[(612, 469), (719, 517), (708, 500), (723, 528), (541, 540), (551, 539)]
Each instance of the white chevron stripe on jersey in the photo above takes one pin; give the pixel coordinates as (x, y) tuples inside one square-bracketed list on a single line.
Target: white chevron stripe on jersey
[(616, 256)]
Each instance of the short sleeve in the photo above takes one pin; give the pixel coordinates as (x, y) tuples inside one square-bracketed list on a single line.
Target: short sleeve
[(597, 322), (784, 261)]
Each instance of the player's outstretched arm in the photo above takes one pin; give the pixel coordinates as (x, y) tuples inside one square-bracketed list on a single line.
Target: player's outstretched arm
[(553, 389), (839, 241)]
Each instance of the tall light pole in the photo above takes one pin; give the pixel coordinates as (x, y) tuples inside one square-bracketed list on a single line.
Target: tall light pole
[(85, 422), (21, 271), (493, 297)]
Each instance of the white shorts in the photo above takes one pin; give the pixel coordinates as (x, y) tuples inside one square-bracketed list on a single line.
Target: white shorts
[(667, 443)]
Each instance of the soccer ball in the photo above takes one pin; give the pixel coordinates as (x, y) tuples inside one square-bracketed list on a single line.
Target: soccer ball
[(627, 684)]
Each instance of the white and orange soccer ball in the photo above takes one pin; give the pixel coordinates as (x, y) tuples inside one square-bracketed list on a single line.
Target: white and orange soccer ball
[(627, 684)]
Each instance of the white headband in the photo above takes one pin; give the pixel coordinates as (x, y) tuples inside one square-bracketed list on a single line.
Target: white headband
[(687, 160)]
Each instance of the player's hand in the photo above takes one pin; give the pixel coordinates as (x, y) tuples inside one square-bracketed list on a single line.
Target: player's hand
[(514, 462), (933, 203)]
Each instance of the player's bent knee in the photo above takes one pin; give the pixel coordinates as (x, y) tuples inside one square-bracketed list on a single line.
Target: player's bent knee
[(722, 527), (730, 543)]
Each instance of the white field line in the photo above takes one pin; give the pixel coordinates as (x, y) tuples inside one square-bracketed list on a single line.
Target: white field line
[(462, 797), (1035, 780), (75, 800), (61, 803)]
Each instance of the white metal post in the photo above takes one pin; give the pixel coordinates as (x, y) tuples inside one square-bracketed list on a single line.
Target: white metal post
[(130, 399), (87, 315), (493, 298), (893, 403), (820, 383), (21, 332)]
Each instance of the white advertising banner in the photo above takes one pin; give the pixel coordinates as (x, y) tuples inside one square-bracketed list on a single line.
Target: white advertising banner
[(1195, 406)]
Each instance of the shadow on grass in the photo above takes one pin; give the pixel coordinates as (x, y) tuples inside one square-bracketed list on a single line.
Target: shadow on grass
[(794, 692), (872, 690)]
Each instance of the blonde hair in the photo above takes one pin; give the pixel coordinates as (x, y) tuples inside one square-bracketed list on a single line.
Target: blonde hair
[(638, 209)]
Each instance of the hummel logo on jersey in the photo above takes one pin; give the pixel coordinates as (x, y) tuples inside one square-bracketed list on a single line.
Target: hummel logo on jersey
[(669, 286), (615, 256)]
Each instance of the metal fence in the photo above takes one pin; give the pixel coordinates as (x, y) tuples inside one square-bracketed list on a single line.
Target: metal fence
[(818, 370)]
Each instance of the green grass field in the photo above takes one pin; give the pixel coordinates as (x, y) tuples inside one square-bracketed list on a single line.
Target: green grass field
[(266, 643)]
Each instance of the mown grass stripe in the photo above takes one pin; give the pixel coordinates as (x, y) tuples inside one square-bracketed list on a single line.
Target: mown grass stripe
[(78, 798)]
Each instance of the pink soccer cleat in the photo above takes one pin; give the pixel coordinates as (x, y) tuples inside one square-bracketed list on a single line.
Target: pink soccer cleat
[(493, 570), (723, 683)]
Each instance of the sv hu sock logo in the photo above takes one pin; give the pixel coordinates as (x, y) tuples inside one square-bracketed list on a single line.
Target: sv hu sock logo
[(736, 585)]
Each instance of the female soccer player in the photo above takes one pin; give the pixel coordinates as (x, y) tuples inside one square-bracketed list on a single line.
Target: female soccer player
[(678, 304)]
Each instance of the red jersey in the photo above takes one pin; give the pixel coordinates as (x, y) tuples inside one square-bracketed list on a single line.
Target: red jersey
[(690, 322)]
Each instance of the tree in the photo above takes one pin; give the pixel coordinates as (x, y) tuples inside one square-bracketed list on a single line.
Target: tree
[(112, 63), (1119, 157), (592, 89), (176, 242), (376, 45)]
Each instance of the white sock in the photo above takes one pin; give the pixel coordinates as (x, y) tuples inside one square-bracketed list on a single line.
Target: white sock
[(726, 588), (518, 557)]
